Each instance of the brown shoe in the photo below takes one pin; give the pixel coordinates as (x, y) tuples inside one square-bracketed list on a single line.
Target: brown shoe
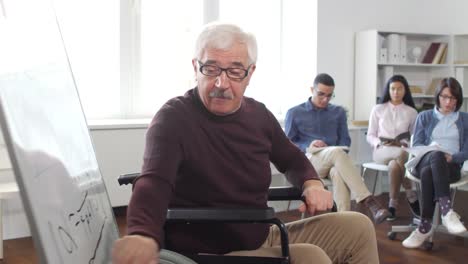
[(379, 213)]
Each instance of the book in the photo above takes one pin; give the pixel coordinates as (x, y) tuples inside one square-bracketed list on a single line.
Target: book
[(396, 140), (415, 89), (431, 52), (440, 51), (417, 152), (443, 59), (433, 85)]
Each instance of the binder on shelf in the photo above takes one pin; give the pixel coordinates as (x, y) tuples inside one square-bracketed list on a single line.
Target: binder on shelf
[(393, 46), (431, 52), (403, 53), (383, 55), (438, 56)]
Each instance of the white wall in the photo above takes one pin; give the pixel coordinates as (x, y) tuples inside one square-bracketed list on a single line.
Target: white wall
[(338, 20)]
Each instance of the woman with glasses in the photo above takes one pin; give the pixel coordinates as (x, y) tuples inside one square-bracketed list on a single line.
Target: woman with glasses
[(446, 126), (390, 123)]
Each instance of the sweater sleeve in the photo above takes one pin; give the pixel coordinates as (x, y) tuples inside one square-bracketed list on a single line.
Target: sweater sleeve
[(461, 156), (153, 190), (419, 136), (372, 131), (343, 132), (288, 158)]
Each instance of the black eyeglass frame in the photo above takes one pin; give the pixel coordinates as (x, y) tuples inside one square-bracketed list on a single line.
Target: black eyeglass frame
[(220, 71), (324, 95)]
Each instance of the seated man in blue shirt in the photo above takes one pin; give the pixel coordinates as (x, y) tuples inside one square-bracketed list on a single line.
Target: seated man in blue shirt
[(320, 129)]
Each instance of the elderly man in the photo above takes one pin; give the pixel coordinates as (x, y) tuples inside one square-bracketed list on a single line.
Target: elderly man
[(212, 147), (319, 127)]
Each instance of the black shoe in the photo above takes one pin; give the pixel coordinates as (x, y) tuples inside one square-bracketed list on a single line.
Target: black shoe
[(392, 215), (379, 213), (414, 207)]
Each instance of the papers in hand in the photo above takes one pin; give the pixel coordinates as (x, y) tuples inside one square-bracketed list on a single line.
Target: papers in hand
[(313, 150), (418, 152)]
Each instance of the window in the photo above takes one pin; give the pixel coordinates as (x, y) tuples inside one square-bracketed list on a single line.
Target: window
[(91, 34), (167, 37), (129, 62)]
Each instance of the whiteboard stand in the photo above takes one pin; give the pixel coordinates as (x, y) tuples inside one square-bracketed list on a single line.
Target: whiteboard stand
[(7, 190)]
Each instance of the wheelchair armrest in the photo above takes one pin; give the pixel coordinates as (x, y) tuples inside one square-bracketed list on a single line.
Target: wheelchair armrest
[(125, 179), (220, 215), (251, 215), (284, 193)]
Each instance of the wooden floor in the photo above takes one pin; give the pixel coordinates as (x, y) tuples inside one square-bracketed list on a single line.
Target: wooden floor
[(447, 249)]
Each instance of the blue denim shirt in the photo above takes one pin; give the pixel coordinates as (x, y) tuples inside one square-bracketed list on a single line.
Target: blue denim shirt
[(305, 123), (425, 123)]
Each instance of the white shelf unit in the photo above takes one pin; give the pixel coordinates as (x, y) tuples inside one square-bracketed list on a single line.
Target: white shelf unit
[(371, 73)]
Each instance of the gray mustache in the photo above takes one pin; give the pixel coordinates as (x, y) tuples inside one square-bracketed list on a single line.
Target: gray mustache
[(218, 93)]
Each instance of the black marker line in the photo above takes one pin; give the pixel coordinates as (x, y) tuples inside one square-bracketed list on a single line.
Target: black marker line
[(91, 261)]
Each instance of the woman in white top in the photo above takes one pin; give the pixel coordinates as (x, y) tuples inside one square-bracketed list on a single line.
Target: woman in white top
[(394, 116)]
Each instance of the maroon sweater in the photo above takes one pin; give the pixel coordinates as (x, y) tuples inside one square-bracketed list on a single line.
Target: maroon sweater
[(194, 158)]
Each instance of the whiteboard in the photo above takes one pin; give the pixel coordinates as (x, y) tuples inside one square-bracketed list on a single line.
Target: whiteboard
[(47, 137)]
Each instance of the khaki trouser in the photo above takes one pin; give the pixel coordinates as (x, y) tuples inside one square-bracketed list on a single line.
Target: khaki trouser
[(395, 158), (333, 162), (345, 237)]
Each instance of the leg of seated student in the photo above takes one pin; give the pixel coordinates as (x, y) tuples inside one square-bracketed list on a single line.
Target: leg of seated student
[(345, 168), (341, 193), (395, 158), (345, 237), (435, 175), (424, 230), (442, 175), (324, 168)]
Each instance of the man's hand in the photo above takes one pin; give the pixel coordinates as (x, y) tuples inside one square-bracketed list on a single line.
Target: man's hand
[(316, 197), (318, 144), (135, 249)]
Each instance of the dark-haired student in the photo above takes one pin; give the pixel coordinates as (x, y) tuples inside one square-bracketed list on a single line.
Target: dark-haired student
[(320, 129), (446, 126), (394, 116)]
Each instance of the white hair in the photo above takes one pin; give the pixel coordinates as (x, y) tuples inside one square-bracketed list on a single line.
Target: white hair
[(223, 36)]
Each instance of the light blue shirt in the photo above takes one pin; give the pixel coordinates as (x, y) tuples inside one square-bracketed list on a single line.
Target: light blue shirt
[(446, 133), (305, 123)]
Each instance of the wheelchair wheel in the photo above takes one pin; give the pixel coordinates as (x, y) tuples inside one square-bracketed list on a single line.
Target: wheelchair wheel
[(171, 257), (391, 235)]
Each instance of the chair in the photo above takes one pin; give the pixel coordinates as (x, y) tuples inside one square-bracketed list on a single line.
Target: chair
[(192, 215), (436, 219), (377, 167)]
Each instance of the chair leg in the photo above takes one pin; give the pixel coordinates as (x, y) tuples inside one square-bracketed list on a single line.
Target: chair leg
[(375, 182), (435, 221), (363, 174), (454, 192)]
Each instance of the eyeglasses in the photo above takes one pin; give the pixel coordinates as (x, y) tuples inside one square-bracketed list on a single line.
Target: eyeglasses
[(323, 95), (235, 74), (449, 98)]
